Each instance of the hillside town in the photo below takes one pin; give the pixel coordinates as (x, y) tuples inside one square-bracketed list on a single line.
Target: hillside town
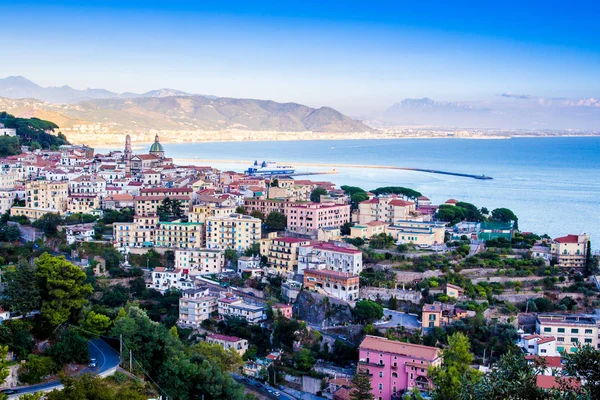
[(309, 290)]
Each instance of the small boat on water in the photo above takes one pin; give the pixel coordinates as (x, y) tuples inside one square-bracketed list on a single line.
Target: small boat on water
[(270, 168)]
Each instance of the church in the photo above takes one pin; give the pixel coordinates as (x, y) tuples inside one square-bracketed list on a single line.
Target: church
[(153, 160)]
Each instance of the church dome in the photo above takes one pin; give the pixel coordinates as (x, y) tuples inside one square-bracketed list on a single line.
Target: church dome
[(156, 147)]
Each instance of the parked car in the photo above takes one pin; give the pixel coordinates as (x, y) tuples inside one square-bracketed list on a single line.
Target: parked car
[(93, 363)]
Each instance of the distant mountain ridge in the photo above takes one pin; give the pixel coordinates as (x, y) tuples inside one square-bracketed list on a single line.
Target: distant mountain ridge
[(166, 109), (18, 87)]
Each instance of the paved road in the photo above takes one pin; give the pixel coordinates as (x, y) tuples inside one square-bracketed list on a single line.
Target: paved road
[(262, 388), (399, 318), (107, 359)]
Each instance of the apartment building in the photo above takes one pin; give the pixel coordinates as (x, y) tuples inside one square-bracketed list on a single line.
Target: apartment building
[(164, 279), (236, 307), (440, 314), (87, 184), (139, 233), (83, 203), (167, 192), (282, 253), (424, 234), (228, 342), (570, 251), (182, 235), (7, 197), (329, 256), (309, 218), (265, 206), (43, 197), (200, 212), (396, 367), (235, 231), (148, 204), (369, 229), (537, 345), (200, 261), (385, 209), (195, 306), (570, 330), (340, 285)]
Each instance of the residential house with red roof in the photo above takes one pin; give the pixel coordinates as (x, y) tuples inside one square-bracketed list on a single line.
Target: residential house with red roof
[(570, 251)]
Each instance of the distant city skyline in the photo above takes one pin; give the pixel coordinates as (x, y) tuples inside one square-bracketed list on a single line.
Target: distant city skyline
[(357, 57)]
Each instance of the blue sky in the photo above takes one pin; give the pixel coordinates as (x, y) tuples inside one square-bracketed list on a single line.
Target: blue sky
[(357, 56)]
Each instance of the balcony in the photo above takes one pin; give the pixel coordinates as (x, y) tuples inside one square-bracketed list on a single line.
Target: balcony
[(372, 364)]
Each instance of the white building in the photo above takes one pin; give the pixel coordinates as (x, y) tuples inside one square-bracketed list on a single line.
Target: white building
[(331, 257), (164, 279), (200, 261), (228, 342), (87, 184), (7, 131), (80, 233), (250, 265), (195, 306), (537, 345), (236, 307)]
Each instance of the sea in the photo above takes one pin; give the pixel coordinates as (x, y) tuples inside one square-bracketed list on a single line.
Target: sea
[(551, 183)]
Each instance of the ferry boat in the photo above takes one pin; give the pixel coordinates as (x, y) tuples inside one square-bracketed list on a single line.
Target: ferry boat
[(270, 168)]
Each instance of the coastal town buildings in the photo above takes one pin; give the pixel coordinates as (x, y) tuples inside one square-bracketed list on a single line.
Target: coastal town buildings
[(570, 330), (42, 197), (331, 256), (340, 285), (570, 251), (230, 305), (307, 219), (282, 253), (195, 306), (396, 367), (234, 231), (387, 209), (234, 343)]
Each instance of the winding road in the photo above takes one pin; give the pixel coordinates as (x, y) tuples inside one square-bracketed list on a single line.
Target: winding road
[(107, 362)]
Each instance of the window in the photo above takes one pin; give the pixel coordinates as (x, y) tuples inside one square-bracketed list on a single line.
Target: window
[(381, 386), (561, 330), (588, 340), (574, 330), (574, 340), (547, 329), (560, 339), (380, 374), (588, 331)]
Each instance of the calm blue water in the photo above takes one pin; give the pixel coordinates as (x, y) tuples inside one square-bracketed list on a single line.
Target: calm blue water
[(552, 184)]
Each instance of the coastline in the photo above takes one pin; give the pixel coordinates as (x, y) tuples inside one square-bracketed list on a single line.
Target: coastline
[(118, 141)]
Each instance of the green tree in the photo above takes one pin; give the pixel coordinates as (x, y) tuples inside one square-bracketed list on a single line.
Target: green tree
[(315, 195), (304, 360), (36, 368), (449, 377), (367, 311), (62, 288), (9, 146), (584, 365), (357, 198), (70, 346), (505, 215), (276, 221), (228, 360), (407, 193), (22, 291), (3, 363), (91, 387), (96, 323), (48, 223), (241, 210), (511, 378), (361, 383), (393, 303), (257, 214)]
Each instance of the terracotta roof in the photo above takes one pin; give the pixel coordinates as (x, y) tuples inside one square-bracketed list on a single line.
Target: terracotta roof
[(530, 337), (451, 201), (159, 269), (401, 203), (553, 382), (550, 362), (329, 273), (333, 247), (407, 349), (120, 197), (224, 338), (376, 223), (279, 305), (141, 198), (289, 240), (422, 198), (568, 239), (167, 190), (546, 340), (146, 156)]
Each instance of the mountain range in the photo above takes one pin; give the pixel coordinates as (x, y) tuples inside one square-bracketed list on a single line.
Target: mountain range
[(166, 109), (504, 111)]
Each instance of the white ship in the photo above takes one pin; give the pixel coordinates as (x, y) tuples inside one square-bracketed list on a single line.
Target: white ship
[(270, 168)]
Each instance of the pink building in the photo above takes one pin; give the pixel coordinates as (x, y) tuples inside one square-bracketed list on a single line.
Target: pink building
[(396, 367), (308, 218), (284, 309)]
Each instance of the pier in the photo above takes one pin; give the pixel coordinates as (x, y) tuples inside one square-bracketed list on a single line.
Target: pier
[(334, 165)]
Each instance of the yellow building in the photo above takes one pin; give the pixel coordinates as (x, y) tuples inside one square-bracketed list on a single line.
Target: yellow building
[(200, 212), (43, 197), (139, 233), (282, 253), (148, 204), (386, 209), (183, 235), (570, 251), (570, 330), (423, 234), (83, 203), (234, 231), (368, 230)]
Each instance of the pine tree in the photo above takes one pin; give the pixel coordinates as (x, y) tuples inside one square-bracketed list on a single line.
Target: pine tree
[(362, 386)]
